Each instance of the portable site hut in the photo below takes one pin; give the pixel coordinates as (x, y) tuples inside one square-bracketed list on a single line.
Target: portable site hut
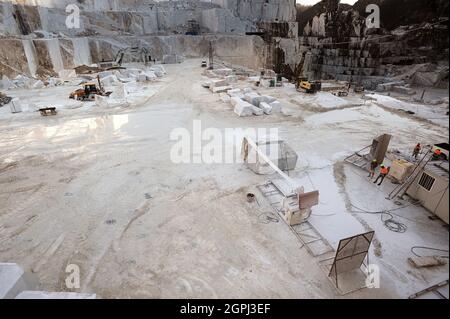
[(431, 188)]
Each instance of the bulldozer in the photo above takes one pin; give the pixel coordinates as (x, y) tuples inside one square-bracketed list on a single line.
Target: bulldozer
[(308, 86), (89, 91)]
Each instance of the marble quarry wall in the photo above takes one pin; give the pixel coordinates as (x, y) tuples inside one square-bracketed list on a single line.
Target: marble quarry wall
[(45, 57), (21, 17), (281, 46), (220, 20), (111, 17), (336, 44), (89, 5), (261, 10), (332, 42), (35, 40)]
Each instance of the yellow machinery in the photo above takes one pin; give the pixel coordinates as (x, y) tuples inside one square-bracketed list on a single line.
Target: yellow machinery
[(308, 86), (89, 91)]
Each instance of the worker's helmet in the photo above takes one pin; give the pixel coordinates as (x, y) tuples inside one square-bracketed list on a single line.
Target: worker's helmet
[(382, 166), (374, 160)]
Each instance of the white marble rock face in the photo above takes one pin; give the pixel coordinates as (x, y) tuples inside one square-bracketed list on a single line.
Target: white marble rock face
[(261, 10), (146, 17), (157, 19), (38, 42)]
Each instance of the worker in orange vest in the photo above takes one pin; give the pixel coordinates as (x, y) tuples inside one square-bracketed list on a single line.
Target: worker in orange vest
[(417, 150), (383, 173), (437, 154)]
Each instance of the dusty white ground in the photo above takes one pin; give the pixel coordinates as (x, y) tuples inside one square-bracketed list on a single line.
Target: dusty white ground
[(96, 187)]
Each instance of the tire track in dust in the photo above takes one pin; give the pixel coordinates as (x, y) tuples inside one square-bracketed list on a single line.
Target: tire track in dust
[(113, 242), (19, 210), (39, 192), (340, 178)]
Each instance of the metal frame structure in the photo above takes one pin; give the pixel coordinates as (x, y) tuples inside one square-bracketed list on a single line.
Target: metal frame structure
[(358, 159), (357, 252), (308, 236), (433, 290), (378, 150)]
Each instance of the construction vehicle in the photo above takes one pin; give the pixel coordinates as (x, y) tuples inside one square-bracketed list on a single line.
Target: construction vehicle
[(308, 86), (89, 91)]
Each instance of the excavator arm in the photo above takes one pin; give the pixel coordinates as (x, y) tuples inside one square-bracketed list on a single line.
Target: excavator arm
[(140, 52)]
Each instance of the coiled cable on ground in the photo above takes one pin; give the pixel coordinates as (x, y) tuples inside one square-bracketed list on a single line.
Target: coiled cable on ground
[(414, 248), (389, 222)]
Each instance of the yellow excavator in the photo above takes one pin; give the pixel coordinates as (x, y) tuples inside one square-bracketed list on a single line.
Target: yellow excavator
[(308, 86)]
